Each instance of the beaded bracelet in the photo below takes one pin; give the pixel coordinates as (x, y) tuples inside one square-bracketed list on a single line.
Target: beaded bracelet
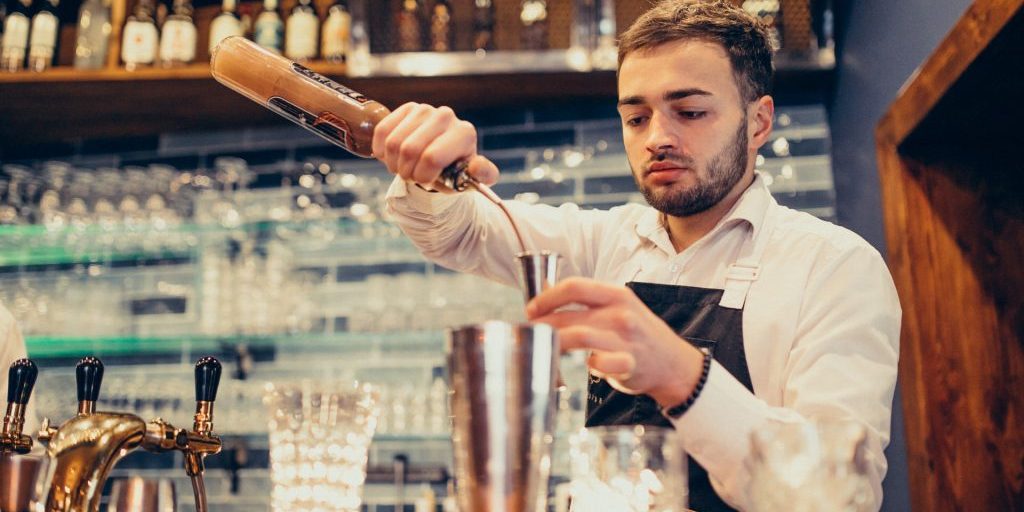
[(677, 411)]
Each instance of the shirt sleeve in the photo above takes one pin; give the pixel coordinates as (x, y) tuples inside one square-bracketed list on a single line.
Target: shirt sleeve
[(468, 233), (842, 366), (12, 348)]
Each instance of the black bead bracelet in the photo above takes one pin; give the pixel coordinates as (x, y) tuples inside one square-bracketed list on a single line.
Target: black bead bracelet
[(677, 411)]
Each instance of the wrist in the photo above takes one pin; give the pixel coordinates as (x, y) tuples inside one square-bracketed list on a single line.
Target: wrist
[(684, 378)]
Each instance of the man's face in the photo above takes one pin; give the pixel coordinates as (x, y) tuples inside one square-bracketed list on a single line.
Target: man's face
[(684, 125)]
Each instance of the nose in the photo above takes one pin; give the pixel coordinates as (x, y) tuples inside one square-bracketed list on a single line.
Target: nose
[(660, 136)]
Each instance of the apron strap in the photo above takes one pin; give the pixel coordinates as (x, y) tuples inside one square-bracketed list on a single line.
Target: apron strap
[(747, 267)]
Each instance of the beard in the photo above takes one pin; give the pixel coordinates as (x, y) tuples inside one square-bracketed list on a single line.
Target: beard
[(724, 171)]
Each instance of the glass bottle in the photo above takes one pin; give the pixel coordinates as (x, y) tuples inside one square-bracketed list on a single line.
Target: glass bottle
[(42, 43), (225, 25), (483, 25), (337, 34), (441, 26), (93, 34), (534, 31), (140, 40), (15, 40), (268, 30), (301, 32), (178, 40), (409, 27)]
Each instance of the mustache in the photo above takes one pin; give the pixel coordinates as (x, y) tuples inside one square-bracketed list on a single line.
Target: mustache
[(674, 158)]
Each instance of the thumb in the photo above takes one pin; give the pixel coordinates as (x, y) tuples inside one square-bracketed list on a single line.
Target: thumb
[(483, 170)]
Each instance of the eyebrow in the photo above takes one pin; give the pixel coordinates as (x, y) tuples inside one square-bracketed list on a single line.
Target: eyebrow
[(669, 96)]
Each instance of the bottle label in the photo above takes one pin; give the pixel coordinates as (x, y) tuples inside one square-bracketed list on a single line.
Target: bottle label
[(223, 27), (178, 42), (44, 30), (16, 31), (269, 31), (348, 94), (300, 36), (327, 125), (140, 43), (337, 32)]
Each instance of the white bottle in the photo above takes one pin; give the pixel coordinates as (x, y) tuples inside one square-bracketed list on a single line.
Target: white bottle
[(15, 40), (268, 31), (178, 40), (301, 31), (140, 39), (225, 25), (43, 40), (337, 33)]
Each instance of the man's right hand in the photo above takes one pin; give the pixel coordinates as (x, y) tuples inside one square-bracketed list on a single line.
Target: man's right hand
[(418, 141)]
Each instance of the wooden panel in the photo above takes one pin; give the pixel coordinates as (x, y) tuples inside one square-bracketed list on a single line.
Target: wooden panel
[(952, 184)]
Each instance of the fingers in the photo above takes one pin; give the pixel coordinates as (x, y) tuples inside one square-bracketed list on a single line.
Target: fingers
[(577, 290), (418, 141), (617, 365), (483, 170), (585, 337)]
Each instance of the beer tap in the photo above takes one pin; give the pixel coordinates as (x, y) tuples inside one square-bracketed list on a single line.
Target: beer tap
[(20, 380), (87, 446)]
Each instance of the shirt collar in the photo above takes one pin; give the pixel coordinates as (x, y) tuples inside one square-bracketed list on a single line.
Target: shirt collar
[(750, 209)]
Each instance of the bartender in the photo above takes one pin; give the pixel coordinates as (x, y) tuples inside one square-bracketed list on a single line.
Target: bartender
[(12, 348), (713, 310)]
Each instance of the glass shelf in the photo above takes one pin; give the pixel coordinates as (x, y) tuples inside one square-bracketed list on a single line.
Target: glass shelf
[(406, 342)]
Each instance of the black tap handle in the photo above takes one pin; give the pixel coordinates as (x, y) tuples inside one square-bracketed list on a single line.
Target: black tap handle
[(21, 378), (207, 378), (89, 376)]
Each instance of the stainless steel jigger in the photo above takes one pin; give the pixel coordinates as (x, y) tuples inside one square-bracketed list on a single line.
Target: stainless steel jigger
[(503, 401), (538, 272)]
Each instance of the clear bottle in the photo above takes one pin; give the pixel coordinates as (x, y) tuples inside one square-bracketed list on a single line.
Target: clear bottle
[(534, 31), (483, 25), (337, 34), (93, 33), (301, 30), (408, 23), (268, 31), (140, 39), (42, 43), (441, 34), (225, 25), (15, 40), (178, 38)]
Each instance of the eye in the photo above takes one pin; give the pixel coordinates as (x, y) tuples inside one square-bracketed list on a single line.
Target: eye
[(635, 120), (692, 114)]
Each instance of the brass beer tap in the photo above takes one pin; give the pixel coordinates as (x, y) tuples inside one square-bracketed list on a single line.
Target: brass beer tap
[(86, 447), (20, 380)]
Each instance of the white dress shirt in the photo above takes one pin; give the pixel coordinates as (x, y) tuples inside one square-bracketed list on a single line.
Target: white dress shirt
[(12, 348), (821, 323)]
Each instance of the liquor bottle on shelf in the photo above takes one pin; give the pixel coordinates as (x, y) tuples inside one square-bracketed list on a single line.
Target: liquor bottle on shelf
[(93, 33), (268, 31), (483, 25), (226, 24), (15, 40), (337, 34), (441, 26), (178, 37), (141, 39), (42, 44), (408, 22), (301, 30), (767, 12), (534, 31)]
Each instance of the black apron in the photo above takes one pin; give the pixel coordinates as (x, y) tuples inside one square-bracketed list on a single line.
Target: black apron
[(709, 319)]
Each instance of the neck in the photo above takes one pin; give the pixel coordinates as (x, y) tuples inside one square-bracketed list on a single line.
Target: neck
[(685, 231)]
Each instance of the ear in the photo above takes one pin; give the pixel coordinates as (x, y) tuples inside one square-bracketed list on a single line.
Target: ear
[(760, 115)]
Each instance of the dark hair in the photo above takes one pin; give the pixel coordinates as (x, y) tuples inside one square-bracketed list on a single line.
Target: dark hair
[(744, 39)]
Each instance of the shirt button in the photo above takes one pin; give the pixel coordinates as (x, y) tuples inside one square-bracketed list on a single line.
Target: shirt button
[(673, 268)]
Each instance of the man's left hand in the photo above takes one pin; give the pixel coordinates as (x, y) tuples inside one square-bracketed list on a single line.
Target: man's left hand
[(631, 347)]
